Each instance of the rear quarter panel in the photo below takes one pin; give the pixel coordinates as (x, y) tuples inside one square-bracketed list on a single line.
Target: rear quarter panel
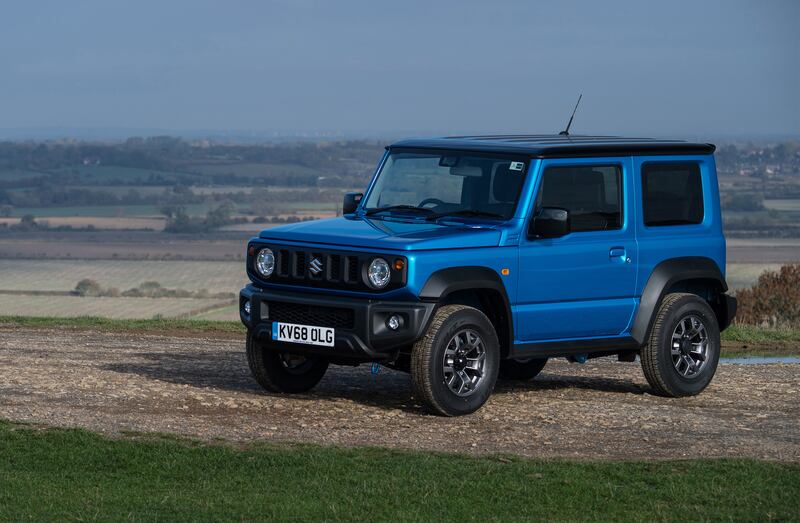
[(657, 244)]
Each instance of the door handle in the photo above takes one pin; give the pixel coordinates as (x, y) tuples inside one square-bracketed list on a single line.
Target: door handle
[(618, 255)]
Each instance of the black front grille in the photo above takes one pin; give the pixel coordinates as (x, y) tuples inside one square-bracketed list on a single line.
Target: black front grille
[(323, 268), (338, 318)]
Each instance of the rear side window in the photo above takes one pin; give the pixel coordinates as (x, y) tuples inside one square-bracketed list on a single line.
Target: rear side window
[(672, 194), (591, 194)]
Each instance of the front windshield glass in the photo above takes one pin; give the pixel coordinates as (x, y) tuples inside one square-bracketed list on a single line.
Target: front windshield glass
[(448, 183)]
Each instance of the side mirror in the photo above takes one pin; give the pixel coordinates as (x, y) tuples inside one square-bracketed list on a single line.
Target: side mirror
[(351, 201), (549, 222)]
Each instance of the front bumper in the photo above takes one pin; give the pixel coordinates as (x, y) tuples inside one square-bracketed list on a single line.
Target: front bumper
[(364, 337)]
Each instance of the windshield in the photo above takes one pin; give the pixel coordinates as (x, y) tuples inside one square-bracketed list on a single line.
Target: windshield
[(436, 184)]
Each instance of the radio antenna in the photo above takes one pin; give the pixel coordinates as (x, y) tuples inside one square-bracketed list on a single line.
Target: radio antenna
[(565, 132)]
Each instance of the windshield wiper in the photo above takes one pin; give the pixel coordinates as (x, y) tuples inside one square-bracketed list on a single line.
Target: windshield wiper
[(464, 212), (403, 207)]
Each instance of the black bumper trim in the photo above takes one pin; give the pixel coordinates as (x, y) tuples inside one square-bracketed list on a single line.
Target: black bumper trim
[(369, 339)]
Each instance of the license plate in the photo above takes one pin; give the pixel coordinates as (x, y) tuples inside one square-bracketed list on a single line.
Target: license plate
[(306, 334)]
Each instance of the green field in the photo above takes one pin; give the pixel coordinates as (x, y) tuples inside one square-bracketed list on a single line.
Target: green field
[(76, 475), (63, 275), (116, 308)]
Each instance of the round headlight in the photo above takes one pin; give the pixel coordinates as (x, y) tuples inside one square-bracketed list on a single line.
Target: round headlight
[(265, 262), (379, 273)]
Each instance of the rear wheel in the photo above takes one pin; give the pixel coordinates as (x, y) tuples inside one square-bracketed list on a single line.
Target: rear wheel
[(454, 366), (521, 369), (682, 354), (279, 371)]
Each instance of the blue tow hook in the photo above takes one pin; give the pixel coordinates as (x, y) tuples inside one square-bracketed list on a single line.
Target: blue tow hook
[(376, 368), (578, 358)]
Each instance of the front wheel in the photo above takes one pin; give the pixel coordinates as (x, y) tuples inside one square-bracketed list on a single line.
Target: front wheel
[(681, 356), (454, 366), (278, 371)]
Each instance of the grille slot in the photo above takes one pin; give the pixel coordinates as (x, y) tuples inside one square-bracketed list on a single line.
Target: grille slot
[(335, 317), (299, 264), (352, 269), (284, 258), (334, 267)]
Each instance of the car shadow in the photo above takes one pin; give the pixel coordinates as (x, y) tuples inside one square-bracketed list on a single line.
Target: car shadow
[(549, 381), (228, 371), (387, 390)]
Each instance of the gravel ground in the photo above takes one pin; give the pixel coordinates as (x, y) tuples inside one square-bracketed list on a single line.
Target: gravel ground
[(200, 387)]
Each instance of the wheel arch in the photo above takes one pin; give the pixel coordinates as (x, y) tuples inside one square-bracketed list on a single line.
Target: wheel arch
[(479, 287), (692, 274)]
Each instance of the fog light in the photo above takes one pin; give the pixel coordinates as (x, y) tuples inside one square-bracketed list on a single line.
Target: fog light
[(393, 322), (246, 308)]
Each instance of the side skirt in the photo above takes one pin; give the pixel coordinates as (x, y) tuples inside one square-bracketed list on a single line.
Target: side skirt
[(603, 346)]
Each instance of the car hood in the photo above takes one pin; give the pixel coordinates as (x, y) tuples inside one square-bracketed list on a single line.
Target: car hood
[(355, 231)]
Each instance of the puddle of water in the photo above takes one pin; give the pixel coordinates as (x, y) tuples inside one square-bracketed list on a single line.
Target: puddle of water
[(758, 360)]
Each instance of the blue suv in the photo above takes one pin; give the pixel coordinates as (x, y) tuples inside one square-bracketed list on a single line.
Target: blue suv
[(473, 257)]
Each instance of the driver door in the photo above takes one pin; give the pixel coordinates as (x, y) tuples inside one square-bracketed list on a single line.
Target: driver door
[(580, 285)]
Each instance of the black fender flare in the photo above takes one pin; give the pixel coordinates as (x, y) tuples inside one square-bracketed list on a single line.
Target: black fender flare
[(447, 281), (664, 275)]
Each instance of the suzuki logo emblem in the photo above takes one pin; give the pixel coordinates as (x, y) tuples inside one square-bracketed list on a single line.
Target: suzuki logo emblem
[(315, 266)]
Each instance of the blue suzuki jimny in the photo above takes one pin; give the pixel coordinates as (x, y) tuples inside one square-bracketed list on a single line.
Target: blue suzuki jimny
[(473, 257)]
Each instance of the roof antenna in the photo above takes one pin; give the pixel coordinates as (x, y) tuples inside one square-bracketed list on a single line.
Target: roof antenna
[(565, 132)]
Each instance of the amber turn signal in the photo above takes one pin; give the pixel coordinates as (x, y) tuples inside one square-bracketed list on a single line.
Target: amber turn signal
[(251, 250), (399, 264)]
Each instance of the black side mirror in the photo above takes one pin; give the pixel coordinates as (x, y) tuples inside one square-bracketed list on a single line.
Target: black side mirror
[(549, 222), (351, 201)]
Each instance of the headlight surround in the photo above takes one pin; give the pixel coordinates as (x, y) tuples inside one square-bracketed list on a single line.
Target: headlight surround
[(379, 273), (265, 262)]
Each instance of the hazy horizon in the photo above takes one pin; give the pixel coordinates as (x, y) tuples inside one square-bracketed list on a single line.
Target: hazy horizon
[(359, 69)]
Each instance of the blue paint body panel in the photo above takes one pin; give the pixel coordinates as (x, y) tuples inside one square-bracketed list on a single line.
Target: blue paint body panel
[(580, 286)]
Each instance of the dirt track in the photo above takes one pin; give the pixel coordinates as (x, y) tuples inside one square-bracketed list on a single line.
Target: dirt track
[(201, 387)]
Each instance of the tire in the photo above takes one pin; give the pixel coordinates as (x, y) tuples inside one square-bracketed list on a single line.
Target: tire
[(430, 375), (682, 323), (279, 372), (521, 370)]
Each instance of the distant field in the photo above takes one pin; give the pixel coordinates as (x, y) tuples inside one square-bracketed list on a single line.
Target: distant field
[(107, 245), (782, 205), (98, 222), (152, 211), (118, 211), (254, 170), (763, 251), (109, 174), (63, 275), (118, 308), (741, 275), (225, 313)]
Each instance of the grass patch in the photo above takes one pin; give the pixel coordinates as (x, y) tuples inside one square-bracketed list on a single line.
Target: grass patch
[(761, 335), (73, 474), (759, 339), (93, 322)]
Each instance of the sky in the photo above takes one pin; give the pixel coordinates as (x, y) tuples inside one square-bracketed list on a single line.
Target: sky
[(679, 68)]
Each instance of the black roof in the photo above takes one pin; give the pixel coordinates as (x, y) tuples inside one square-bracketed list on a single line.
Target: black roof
[(559, 146)]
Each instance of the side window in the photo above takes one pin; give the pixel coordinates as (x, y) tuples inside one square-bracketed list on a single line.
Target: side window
[(672, 194), (591, 194)]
